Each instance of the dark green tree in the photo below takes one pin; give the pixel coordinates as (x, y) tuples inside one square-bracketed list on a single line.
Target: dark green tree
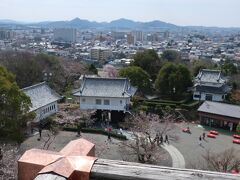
[(238, 128), (93, 69), (229, 68), (173, 80), (14, 107), (149, 61), (198, 65), (29, 69), (171, 55), (138, 77)]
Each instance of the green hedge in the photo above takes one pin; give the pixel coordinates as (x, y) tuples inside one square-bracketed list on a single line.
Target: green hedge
[(190, 106), (168, 101), (96, 131), (155, 104)]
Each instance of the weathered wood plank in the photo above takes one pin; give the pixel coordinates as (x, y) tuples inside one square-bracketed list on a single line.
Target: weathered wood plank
[(105, 169), (118, 170)]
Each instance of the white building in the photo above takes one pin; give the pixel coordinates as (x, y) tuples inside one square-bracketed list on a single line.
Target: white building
[(112, 94), (138, 35), (44, 100), (100, 53), (210, 85), (65, 35)]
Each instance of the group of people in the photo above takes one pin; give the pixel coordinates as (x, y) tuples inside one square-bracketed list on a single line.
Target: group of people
[(159, 139)]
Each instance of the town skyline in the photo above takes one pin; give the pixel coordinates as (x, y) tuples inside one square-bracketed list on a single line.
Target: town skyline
[(184, 13)]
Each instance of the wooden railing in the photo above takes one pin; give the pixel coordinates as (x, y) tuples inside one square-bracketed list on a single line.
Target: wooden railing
[(104, 169)]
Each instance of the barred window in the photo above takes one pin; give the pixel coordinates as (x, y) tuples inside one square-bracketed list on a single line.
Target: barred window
[(98, 101), (106, 102)]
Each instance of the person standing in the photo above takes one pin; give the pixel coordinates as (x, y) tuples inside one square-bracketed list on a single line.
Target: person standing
[(166, 139), (79, 130), (203, 136), (161, 139), (158, 139), (1, 154), (200, 141), (40, 132), (109, 135), (121, 131)]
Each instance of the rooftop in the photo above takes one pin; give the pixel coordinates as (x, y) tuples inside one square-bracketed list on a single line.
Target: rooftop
[(210, 76), (220, 109), (106, 87), (41, 95)]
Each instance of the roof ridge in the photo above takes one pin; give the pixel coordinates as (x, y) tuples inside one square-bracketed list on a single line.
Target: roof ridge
[(106, 78), (35, 85), (212, 70), (214, 102)]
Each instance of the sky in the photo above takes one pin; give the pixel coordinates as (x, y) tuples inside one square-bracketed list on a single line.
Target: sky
[(221, 13)]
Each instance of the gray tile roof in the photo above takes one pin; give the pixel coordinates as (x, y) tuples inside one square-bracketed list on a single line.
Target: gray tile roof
[(220, 109), (211, 81), (41, 95), (106, 87), (210, 76)]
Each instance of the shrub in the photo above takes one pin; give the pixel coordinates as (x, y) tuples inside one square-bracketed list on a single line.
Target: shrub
[(96, 131)]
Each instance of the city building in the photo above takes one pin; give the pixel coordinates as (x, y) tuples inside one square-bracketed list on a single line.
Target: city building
[(131, 38), (65, 35), (111, 94), (221, 115), (138, 35), (100, 53), (43, 99), (118, 35), (210, 85), (6, 34)]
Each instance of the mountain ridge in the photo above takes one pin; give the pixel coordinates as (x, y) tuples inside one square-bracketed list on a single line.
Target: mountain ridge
[(121, 23)]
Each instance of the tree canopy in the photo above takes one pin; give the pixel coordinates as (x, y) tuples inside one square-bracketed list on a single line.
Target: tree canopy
[(29, 69), (171, 55), (14, 107), (229, 68), (93, 69), (173, 79), (138, 77), (149, 61), (198, 65), (238, 128)]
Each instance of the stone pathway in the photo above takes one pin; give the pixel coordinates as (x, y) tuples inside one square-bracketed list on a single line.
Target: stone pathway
[(178, 160)]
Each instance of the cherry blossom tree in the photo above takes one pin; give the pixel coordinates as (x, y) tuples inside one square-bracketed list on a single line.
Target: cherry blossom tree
[(147, 130), (110, 70)]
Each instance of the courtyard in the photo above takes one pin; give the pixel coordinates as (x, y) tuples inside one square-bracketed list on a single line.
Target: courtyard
[(188, 144), (186, 149)]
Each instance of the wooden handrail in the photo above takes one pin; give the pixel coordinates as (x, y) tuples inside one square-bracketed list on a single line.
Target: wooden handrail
[(104, 169)]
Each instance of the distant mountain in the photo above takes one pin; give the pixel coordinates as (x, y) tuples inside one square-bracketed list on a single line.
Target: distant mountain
[(119, 24), (156, 24), (8, 21), (123, 23)]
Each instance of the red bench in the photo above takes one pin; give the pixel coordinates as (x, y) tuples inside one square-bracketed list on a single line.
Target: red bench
[(237, 141), (213, 132), (235, 172), (186, 130), (211, 135), (236, 136)]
